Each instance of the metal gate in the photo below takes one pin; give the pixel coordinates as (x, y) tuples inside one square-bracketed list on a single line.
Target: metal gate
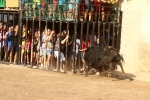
[(34, 19)]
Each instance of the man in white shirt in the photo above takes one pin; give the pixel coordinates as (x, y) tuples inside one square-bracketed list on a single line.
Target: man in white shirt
[(92, 42)]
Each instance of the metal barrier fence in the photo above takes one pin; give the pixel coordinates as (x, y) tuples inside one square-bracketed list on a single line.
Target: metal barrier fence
[(107, 34)]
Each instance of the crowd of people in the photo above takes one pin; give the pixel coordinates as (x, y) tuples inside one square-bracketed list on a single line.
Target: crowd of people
[(68, 10), (46, 46)]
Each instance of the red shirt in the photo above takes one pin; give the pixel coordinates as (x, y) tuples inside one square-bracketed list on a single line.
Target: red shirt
[(83, 44), (96, 3)]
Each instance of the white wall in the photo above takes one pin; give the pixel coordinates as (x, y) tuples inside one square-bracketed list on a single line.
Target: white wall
[(135, 40)]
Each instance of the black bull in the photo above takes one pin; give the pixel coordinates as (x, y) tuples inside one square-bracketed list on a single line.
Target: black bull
[(101, 58)]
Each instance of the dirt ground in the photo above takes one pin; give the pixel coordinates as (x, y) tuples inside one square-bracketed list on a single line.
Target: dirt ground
[(22, 83)]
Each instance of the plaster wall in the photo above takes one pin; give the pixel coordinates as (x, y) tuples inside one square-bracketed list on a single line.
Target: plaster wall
[(135, 35)]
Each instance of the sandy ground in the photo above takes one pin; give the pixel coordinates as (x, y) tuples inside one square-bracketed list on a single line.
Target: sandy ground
[(22, 83)]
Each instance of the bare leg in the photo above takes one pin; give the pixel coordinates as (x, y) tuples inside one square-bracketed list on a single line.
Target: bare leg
[(22, 55), (54, 9), (69, 14), (85, 15), (90, 16), (107, 16), (103, 16), (10, 57), (15, 58), (47, 61)]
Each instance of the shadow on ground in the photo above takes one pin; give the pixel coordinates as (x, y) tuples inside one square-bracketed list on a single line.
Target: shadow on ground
[(117, 75)]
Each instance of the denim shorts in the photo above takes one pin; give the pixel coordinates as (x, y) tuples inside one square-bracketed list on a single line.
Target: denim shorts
[(42, 51), (48, 52)]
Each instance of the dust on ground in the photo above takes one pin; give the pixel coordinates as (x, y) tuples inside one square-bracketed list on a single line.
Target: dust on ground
[(22, 83)]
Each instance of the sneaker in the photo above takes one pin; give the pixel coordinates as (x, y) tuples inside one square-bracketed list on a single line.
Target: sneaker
[(62, 71), (46, 67), (55, 70), (21, 64), (42, 65), (34, 67)]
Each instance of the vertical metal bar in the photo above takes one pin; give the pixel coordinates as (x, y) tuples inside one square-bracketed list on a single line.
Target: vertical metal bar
[(99, 13), (39, 43), (93, 32), (104, 31), (58, 59), (108, 34), (74, 44), (99, 33), (66, 52), (87, 33), (1, 35), (1, 42), (81, 39), (52, 55), (7, 21), (25, 51), (53, 26), (13, 36), (118, 34), (114, 24), (32, 42), (46, 22), (20, 31), (75, 34), (118, 28), (119, 40), (118, 14)]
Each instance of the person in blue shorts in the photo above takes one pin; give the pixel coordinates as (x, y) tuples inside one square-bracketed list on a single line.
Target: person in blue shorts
[(89, 8), (9, 37), (61, 10)]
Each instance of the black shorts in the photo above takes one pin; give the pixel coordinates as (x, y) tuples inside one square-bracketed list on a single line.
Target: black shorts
[(15, 48), (35, 49), (89, 5)]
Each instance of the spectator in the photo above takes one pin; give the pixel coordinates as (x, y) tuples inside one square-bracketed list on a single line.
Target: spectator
[(89, 7), (23, 39), (9, 37), (92, 39), (61, 10), (71, 9), (54, 8), (96, 9), (35, 48), (63, 38), (29, 46), (15, 46), (101, 42), (83, 48), (43, 48), (49, 47), (106, 8)]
